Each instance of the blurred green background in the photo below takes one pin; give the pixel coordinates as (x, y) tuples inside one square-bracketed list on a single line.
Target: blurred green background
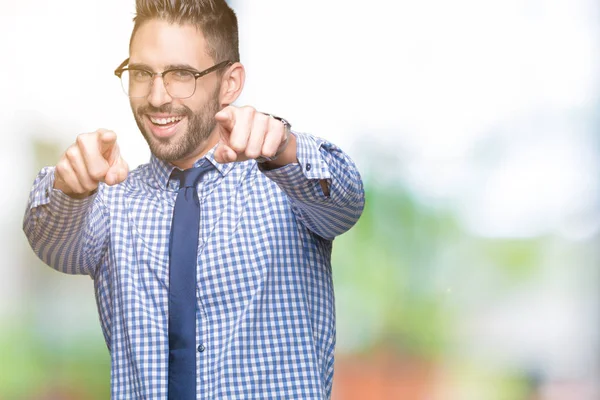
[(473, 272)]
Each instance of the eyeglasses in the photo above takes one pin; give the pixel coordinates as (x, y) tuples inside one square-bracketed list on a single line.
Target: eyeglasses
[(180, 83)]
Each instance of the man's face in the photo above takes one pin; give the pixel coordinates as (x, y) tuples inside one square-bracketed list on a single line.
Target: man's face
[(177, 130)]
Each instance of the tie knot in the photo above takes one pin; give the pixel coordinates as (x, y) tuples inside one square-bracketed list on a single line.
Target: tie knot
[(190, 177)]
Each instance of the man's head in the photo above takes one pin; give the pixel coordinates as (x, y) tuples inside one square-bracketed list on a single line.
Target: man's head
[(187, 35), (214, 18)]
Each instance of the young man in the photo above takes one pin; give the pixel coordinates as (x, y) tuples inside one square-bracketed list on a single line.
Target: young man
[(212, 287)]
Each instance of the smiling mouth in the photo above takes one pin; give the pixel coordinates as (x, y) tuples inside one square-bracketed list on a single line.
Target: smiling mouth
[(165, 121)]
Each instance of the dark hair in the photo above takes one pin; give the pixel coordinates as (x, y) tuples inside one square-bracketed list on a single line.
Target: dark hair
[(214, 18)]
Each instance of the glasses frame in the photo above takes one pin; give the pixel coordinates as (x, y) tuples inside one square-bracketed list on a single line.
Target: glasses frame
[(197, 74)]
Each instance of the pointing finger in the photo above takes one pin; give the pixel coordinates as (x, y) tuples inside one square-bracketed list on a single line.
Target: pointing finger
[(96, 164), (238, 139), (106, 142)]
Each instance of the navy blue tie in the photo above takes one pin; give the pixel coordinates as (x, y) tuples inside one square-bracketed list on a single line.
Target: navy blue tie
[(183, 256)]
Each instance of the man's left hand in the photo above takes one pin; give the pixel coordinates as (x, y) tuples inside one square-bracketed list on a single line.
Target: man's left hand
[(248, 134)]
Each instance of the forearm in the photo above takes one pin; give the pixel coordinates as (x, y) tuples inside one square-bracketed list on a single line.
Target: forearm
[(324, 186), (67, 234)]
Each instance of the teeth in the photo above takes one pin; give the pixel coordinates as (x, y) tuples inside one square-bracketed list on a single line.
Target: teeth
[(165, 121)]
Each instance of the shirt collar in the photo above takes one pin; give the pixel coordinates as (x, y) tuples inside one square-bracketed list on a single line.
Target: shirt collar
[(161, 170)]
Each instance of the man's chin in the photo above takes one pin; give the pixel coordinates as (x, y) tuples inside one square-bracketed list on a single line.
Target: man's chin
[(163, 148)]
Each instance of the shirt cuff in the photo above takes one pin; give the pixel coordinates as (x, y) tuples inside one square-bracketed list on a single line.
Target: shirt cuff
[(310, 161), (302, 179), (58, 203)]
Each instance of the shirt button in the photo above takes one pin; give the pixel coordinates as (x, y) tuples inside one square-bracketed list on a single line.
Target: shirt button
[(201, 348), (308, 167)]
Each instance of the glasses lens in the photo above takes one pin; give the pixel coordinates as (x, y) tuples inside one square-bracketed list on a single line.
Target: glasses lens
[(180, 83), (136, 83)]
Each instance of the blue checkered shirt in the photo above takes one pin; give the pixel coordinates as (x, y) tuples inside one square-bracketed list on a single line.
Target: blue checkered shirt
[(265, 304)]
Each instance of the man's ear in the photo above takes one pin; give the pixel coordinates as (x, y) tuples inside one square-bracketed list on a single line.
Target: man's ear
[(232, 83)]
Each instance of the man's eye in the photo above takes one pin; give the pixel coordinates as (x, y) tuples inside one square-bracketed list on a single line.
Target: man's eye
[(140, 75), (182, 75)]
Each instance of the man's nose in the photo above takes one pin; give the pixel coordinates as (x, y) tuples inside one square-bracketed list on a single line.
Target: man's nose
[(158, 94)]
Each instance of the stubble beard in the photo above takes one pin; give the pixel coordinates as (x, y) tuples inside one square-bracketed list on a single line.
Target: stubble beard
[(200, 126)]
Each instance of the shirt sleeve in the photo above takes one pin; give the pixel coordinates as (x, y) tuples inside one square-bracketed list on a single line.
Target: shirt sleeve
[(70, 235), (327, 216)]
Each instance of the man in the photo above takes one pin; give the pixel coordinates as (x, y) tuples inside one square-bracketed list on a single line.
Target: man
[(266, 205)]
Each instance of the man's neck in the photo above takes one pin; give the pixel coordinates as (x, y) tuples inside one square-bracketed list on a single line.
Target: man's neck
[(205, 147)]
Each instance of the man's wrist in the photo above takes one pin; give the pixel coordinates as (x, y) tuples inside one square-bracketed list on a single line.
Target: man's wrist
[(283, 146), (288, 156)]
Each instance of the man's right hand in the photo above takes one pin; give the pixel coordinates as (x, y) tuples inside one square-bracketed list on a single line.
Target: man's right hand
[(93, 158)]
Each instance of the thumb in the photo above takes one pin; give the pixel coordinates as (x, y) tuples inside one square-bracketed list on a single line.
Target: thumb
[(117, 173), (224, 154)]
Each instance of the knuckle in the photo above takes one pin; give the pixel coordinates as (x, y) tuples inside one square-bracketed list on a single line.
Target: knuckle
[(96, 173), (275, 125), (237, 143), (72, 153), (237, 146), (269, 152), (79, 139), (251, 153), (89, 186), (61, 168), (82, 139), (261, 119), (249, 111)]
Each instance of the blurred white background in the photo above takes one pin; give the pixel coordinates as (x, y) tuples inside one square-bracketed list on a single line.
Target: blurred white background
[(487, 109)]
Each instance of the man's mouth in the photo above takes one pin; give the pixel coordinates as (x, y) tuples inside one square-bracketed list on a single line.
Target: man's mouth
[(164, 122), (163, 127)]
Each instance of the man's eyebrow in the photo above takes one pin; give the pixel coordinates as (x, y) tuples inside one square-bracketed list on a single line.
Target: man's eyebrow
[(139, 66), (180, 66), (167, 67)]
